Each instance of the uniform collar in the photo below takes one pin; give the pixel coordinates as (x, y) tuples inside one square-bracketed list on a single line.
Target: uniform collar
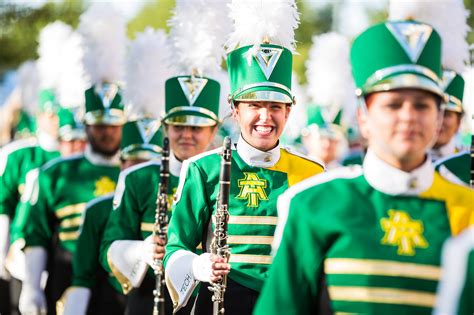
[(47, 143), (255, 157), (99, 159), (393, 181), (175, 165), (447, 149)]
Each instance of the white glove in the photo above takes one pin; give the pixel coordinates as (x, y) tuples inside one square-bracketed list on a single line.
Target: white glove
[(148, 251), (202, 267), (32, 298), (4, 244), (74, 301), (131, 260)]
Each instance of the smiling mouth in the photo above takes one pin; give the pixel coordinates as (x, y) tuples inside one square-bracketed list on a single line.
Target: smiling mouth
[(263, 130)]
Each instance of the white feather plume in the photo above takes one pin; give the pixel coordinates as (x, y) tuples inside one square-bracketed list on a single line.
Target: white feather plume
[(29, 84), (147, 69), (50, 51), (103, 31), (448, 17), (256, 21), (73, 81), (468, 99), (330, 81), (298, 112), (199, 29)]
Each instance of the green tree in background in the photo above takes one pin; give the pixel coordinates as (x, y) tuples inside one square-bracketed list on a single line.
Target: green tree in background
[(154, 14), (20, 27), (312, 22)]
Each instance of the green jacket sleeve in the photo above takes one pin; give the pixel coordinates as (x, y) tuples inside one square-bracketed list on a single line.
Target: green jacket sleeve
[(86, 258), (191, 214), (292, 284), (124, 220), (40, 227), (9, 175)]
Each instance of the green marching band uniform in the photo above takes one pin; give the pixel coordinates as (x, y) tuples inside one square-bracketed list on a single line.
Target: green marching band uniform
[(88, 276), (70, 128), (20, 157), (17, 162), (58, 201), (257, 179), (375, 240), (455, 167), (456, 286), (453, 85), (134, 212)]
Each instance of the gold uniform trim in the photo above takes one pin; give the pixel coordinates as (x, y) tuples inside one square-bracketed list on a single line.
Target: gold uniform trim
[(77, 208), (124, 282), (250, 239), (381, 268), (68, 236), (253, 220), (251, 259), (73, 222), (146, 227), (382, 295)]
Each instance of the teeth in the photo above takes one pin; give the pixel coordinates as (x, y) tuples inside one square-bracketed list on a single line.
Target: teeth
[(263, 129)]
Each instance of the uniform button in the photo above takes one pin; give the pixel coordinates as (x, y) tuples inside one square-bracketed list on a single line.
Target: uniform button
[(267, 159), (413, 183)]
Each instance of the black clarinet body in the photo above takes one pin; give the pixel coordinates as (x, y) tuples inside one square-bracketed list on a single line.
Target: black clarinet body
[(219, 246), (160, 229)]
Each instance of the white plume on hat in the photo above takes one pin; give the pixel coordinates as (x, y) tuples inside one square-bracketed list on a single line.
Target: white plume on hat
[(330, 81), (50, 51), (298, 112), (29, 86), (104, 35), (199, 29), (147, 69), (449, 19), (73, 81), (468, 98), (262, 20)]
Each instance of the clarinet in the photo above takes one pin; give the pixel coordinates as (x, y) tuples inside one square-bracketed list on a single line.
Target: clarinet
[(219, 245), (160, 228), (472, 157)]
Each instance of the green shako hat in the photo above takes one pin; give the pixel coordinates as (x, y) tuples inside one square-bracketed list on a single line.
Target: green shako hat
[(48, 101), (144, 91), (330, 84), (450, 20), (141, 139), (261, 68), (104, 53), (192, 95), (104, 105), (192, 101), (453, 85), (322, 121), (70, 125), (397, 55), (266, 76)]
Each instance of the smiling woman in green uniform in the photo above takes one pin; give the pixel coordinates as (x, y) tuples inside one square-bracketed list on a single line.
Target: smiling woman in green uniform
[(261, 100), (371, 236)]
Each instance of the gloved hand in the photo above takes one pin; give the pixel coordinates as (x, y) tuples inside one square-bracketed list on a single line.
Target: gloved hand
[(4, 244), (32, 301), (209, 268), (32, 298), (74, 301), (153, 248)]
